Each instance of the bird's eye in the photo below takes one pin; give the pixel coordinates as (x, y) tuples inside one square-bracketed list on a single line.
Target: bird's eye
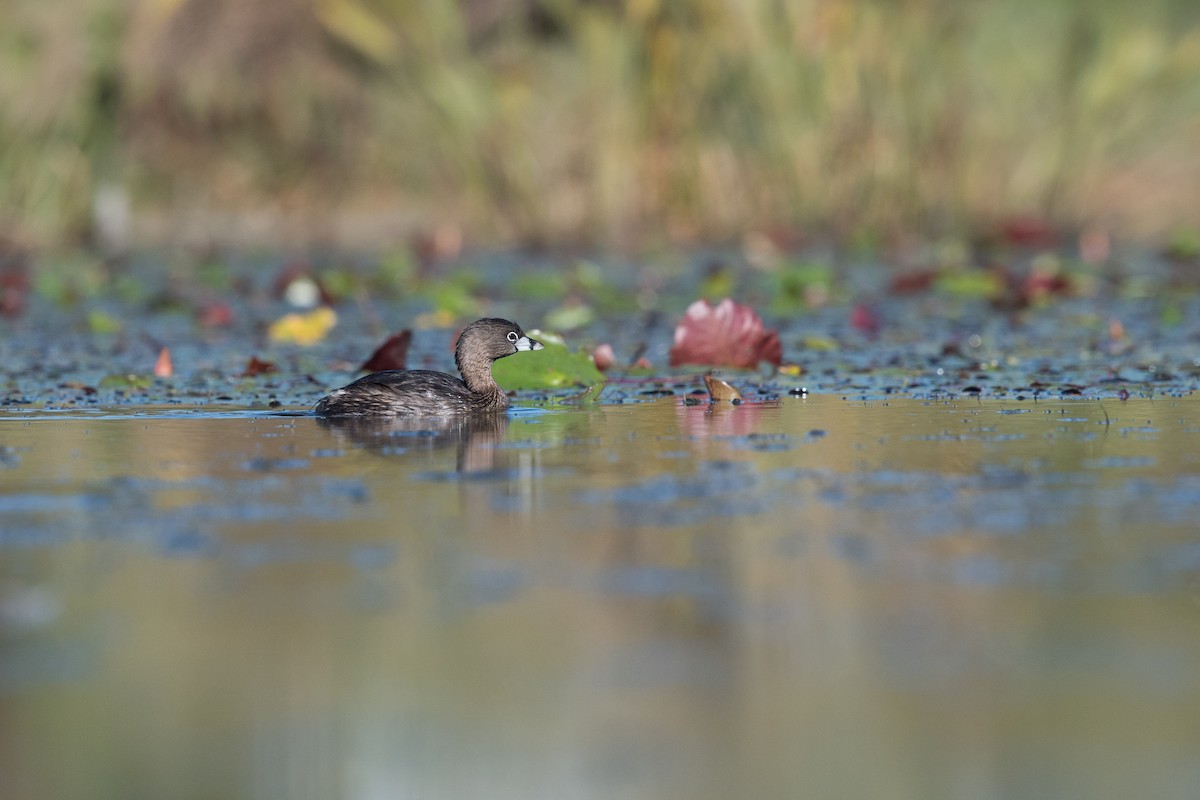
[(512, 336)]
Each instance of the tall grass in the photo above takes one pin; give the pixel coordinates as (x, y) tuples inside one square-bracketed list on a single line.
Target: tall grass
[(600, 122)]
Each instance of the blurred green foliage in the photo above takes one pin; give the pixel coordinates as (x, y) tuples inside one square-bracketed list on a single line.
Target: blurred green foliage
[(590, 121)]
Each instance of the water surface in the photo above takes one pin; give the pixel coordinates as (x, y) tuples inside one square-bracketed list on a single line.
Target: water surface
[(818, 597)]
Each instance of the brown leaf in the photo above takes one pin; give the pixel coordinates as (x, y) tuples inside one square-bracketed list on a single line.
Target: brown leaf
[(719, 390), (726, 335), (163, 367), (256, 367), (392, 354), (913, 282)]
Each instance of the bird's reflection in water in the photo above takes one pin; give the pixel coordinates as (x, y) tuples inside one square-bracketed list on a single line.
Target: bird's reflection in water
[(474, 435)]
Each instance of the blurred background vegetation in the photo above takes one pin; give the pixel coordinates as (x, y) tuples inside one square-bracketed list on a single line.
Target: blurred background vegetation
[(596, 123)]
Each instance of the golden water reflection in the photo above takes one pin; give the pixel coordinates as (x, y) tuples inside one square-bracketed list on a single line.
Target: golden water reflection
[(811, 599)]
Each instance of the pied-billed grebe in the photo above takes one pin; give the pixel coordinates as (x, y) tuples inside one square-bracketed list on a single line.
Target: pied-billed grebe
[(397, 392)]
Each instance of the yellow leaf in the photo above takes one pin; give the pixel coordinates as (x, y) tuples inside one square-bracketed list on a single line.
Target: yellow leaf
[(357, 27), (305, 328)]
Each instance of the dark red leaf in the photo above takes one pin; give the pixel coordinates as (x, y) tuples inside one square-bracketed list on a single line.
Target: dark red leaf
[(216, 315), (864, 320), (1029, 231), (392, 354), (256, 367), (1041, 284), (726, 335)]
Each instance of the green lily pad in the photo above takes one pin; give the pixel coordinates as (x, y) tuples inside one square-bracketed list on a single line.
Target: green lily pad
[(102, 323), (128, 381), (970, 284), (553, 367)]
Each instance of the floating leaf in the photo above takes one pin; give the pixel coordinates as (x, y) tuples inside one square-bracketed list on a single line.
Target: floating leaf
[(392, 354), (570, 316), (1029, 231), (215, 315), (971, 283), (801, 284), (256, 366), (864, 320), (304, 329), (553, 367), (913, 281), (455, 295), (163, 367), (728, 335), (99, 322), (128, 381), (820, 344), (1184, 245), (721, 391)]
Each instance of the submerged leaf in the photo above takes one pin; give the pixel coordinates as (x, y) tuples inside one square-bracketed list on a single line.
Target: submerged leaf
[(392, 354), (726, 335)]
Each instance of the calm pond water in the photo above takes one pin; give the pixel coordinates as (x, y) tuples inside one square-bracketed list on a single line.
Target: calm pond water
[(816, 598)]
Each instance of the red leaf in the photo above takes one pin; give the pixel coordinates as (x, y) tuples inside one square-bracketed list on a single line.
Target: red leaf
[(256, 367), (864, 320), (163, 367), (392, 354), (1029, 231), (1040, 285), (216, 315), (727, 335)]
